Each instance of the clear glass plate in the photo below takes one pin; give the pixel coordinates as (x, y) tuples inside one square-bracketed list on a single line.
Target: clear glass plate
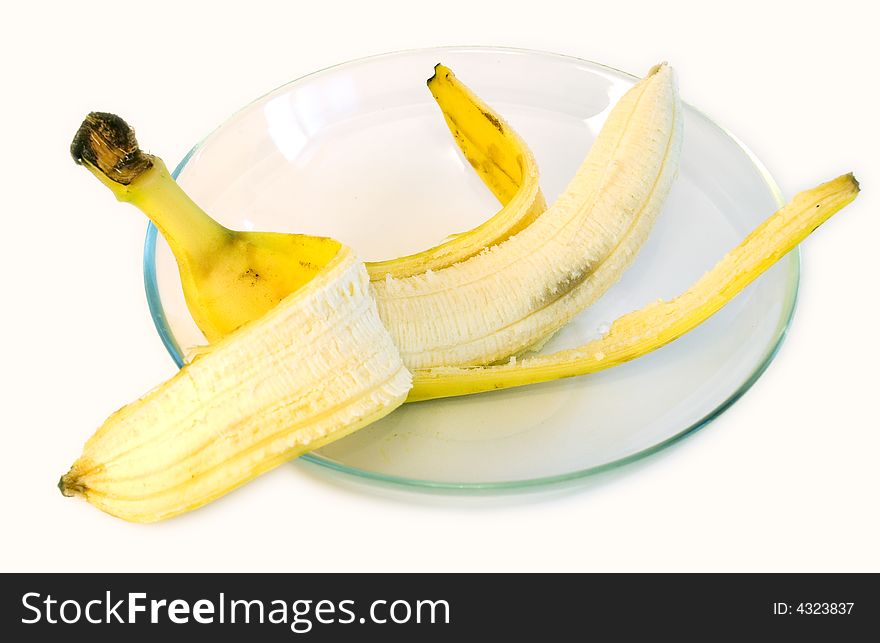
[(360, 152)]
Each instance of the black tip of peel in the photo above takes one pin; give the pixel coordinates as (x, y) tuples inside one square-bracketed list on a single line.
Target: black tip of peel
[(106, 142), (109, 128), (437, 69), (64, 486), (434, 75)]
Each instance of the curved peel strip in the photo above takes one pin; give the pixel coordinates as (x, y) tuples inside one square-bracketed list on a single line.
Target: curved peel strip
[(501, 159), (649, 328), (313, 369)]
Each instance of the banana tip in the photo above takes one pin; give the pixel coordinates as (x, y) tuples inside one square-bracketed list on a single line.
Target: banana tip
[(656, 68), (69, 485)]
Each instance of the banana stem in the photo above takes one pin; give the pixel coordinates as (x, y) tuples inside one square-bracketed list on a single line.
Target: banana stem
[(645, 330), (106, 145), (194, 237)]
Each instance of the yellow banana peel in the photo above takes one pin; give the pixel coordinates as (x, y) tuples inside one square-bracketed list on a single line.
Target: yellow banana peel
[(649, 328), (501, 159)]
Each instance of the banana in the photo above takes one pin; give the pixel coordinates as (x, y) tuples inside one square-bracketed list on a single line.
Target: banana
[(316, 367), (501, 159), (332, 355), (642, 331), (513, 296), (230, 277)]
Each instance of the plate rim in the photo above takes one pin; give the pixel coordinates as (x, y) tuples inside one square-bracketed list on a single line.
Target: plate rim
[(794, 258)]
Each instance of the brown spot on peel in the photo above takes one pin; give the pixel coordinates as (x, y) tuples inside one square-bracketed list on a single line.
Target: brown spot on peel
[(494, 120)]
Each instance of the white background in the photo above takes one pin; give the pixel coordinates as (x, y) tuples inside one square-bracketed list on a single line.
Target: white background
[(788, 479)]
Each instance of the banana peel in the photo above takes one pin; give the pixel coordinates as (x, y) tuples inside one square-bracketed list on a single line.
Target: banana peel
[(501, 159), (647, 329)]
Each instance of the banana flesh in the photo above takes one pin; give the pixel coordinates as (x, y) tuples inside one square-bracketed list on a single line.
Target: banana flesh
[(649, 328), (501, 159), (313, 369), (513, 296)]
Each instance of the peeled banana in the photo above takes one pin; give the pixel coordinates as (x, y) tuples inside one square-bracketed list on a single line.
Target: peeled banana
[(316, 367)]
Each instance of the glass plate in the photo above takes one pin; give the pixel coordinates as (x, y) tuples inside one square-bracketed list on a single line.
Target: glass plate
[(360, 152)]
